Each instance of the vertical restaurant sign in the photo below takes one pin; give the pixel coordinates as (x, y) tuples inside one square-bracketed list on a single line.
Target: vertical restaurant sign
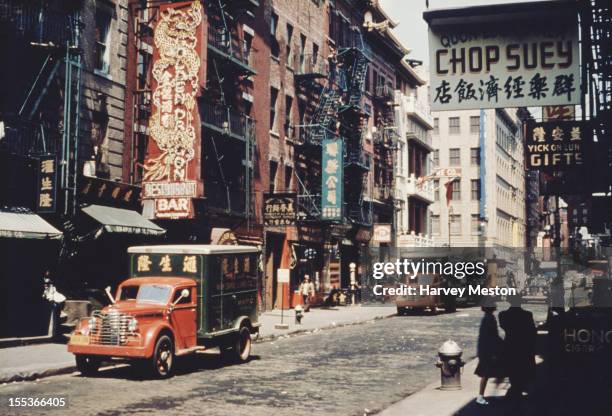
[(332, 179), (519, 64), (172, 166), (556, 145), (47, 185)]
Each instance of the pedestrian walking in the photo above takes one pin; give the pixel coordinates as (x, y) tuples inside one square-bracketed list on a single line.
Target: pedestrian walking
[(489, 352), (307, 291), (519, 345)]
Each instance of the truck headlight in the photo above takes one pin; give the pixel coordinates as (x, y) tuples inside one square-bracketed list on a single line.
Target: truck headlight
[(132, 325)]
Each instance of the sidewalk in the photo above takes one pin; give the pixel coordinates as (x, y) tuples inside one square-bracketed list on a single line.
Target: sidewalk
[(43, 360)]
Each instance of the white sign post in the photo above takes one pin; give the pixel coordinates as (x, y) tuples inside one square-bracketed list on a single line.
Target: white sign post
[(282, 277)]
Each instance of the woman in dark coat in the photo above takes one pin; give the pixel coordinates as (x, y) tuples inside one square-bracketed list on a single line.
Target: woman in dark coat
[(489, 351)]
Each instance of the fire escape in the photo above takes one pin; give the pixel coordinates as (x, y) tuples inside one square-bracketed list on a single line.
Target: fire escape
[(597, 18), (337, 84), (385, 143), (46, 119), (228, 132)]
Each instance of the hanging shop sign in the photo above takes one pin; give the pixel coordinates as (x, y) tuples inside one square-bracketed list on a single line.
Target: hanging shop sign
[(332, 179), (382, 233), (556, 145), (110, 193), (280, 209), (172, 166), (47, 185), (522, 62)]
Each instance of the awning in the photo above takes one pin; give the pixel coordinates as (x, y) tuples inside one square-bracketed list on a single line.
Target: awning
[(26, 224), (117, 220)]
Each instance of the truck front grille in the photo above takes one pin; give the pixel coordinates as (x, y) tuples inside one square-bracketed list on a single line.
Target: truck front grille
[(110, 328)]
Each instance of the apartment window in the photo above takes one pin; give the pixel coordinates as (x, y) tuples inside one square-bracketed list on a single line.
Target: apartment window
[(435, 225), (247, 45), (273, 169), (475, 224), (273, 98), (315, 53), (302, 51), (455, 224), (103, 41), (453, 125), (436, 158), (475, 124), (288, 50), (288, 176), (475, 189), (436, 185), (456, 190), (288, 105), (475, 156), (274, 49), (454, 157), (436, 125)]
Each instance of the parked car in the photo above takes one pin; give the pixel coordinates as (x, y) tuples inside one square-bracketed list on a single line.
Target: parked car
[(180, 299), (420, 302)]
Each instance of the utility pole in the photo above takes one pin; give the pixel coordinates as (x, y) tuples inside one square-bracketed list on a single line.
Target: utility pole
[(450, 215)]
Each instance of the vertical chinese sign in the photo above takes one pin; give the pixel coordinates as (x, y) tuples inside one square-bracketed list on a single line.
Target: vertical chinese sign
[(528, 60), (332, 179), (172, 167), (47, 185)]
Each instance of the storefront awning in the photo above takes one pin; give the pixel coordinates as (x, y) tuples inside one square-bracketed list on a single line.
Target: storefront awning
[(117, 220), (26, 224)]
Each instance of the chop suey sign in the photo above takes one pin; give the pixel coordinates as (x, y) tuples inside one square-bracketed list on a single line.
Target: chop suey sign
[(516, 65)]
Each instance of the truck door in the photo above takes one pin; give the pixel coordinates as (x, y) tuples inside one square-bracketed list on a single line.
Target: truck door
[(184, 318)]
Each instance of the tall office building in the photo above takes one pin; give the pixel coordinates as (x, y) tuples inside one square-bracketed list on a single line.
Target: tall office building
[(480, 181)]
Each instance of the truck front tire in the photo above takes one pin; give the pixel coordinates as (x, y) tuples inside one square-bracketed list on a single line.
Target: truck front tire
[(87, 365), (162, 362)]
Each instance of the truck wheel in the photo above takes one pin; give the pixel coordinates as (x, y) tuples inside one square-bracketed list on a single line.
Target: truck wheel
[(87, 365), (239, 348), (163, 357)]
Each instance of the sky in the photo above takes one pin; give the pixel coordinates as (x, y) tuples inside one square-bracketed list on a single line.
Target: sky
[(412, 29)]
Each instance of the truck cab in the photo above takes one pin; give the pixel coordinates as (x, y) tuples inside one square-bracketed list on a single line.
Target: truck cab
[(179, 300)]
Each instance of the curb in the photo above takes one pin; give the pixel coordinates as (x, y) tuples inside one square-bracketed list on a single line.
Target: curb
[(70, 368), (300, 331)]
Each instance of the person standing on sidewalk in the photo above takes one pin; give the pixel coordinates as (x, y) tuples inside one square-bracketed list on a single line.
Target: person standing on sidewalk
[(307, 291), (489, 352), (519, 345)]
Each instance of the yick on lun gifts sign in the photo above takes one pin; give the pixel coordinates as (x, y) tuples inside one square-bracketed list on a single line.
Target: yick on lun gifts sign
[(520, 63), (172, 168)]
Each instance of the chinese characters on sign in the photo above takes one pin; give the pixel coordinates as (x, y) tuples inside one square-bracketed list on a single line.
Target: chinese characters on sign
[(507, 67), (279, 209), (177, 264), (332, 179), (555, 145), (172, 167), (47, 183)]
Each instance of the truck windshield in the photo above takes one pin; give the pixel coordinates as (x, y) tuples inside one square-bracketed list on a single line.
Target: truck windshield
[(153, 293)]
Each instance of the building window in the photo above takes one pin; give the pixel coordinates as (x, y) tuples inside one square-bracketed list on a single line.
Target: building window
[(475, 189), (288, 105), (475, 124), (103, 41), (435, 225), (274, 49), (453, 125), (436, 125), (273, 169), (475, 156), (288, 176), (475, 224), (273, 98), (288, 50), (454, 157), (456, 194), (436, 158), (455, 224), (436, 185)]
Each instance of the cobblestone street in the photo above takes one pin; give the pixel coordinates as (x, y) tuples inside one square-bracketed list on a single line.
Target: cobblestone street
[(341, 371)]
